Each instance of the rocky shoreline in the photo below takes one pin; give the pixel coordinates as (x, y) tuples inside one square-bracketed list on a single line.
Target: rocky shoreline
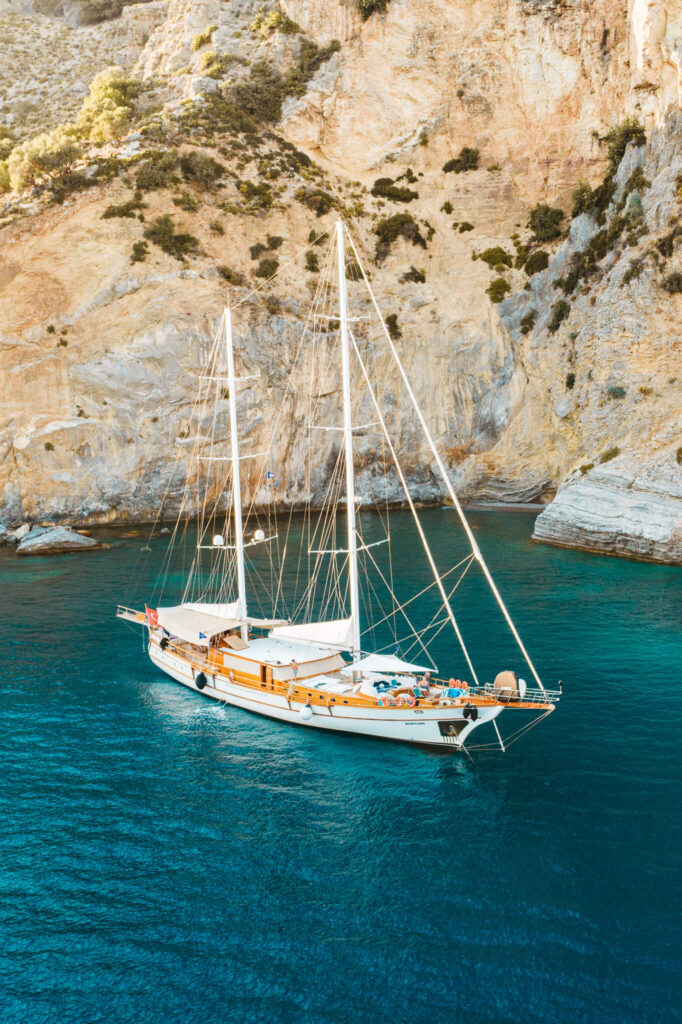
[(624, 508)]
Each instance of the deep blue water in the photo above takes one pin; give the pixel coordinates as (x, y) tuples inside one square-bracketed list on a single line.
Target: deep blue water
[(165, 860)]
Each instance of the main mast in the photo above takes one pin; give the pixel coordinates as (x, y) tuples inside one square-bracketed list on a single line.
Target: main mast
[(348, 438), (236, 477)]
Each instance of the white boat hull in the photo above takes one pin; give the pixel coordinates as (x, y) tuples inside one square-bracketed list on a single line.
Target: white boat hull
[(439, 726)]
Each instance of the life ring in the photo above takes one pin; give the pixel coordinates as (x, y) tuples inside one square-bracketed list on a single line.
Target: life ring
[(200, 681)]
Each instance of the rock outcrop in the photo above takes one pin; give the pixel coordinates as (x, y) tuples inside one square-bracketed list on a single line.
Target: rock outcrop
[(54, 541), (626, 507)]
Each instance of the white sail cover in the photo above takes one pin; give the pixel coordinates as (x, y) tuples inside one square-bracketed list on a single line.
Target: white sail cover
[(337, 634), (386, 664), (198, 623)]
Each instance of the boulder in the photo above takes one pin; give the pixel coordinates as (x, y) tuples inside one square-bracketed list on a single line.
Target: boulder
[(54, 540)]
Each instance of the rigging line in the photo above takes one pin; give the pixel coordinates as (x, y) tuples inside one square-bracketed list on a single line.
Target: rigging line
[(413, 631), (446, 479), (441, 622), (425, 544), (428, 587)]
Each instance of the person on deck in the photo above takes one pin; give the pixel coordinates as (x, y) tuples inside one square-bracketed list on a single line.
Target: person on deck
[(294, 667)]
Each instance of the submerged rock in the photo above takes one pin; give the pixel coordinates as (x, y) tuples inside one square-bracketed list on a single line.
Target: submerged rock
[(622, 508), (54, 540)]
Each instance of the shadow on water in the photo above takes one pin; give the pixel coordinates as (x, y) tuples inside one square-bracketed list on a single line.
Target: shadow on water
[(167, 859)]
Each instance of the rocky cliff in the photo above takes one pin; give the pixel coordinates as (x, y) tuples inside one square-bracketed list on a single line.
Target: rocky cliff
[(100, 356)]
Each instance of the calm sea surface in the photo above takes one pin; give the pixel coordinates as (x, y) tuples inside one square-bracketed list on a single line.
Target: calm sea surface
[(166, 860)]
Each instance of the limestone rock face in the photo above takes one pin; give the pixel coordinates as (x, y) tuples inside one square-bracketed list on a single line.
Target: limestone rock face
[(627, 507), (100, 359)]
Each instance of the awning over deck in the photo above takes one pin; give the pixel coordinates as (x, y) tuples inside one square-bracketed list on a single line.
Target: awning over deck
[(198, 623)]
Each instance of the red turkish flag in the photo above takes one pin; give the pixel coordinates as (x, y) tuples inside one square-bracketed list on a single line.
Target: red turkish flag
[(152, 616)]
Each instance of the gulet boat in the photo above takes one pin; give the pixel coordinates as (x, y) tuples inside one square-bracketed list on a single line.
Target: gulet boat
[(320, 659)]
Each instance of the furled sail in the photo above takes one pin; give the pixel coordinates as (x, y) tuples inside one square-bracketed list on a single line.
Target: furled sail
[(337, 633), (387, 664)]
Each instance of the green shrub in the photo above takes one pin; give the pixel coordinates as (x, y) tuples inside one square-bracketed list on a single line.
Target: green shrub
[(267, 267), (636, 182), (258, 196), (560, 311), (186, 202), (216, 227), (400, 225), (202, 38), (201, 168), (158, 171), (261, 97), (570, 381), (393, 327), (617, 140), (495, 257), (369, 7), (672, 283), (7, 142), (257, 250), (466, 161), (536, 262), (233, 277), (274, 21), (274, 242), (162, 233), (584, 264), (609, 454), (139, 252), (581, 198), (447, 207), (465, 226), (497, 289), (51, 329), (616, 392), (423, 139), (108, 109), (43, 156), (586, 467), (316, 199), (387, 189), (528, 321), (129, 209), (49, 447), (634, 270), (414, 275), (5, 184), (679, 456), (544, 222), (312, 262)]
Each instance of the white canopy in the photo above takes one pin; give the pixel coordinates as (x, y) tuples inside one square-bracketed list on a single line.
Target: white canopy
[(198, 623), (386, 663), (338, 633)]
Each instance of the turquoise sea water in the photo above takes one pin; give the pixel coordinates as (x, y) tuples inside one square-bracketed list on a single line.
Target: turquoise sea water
[(166, 860)]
